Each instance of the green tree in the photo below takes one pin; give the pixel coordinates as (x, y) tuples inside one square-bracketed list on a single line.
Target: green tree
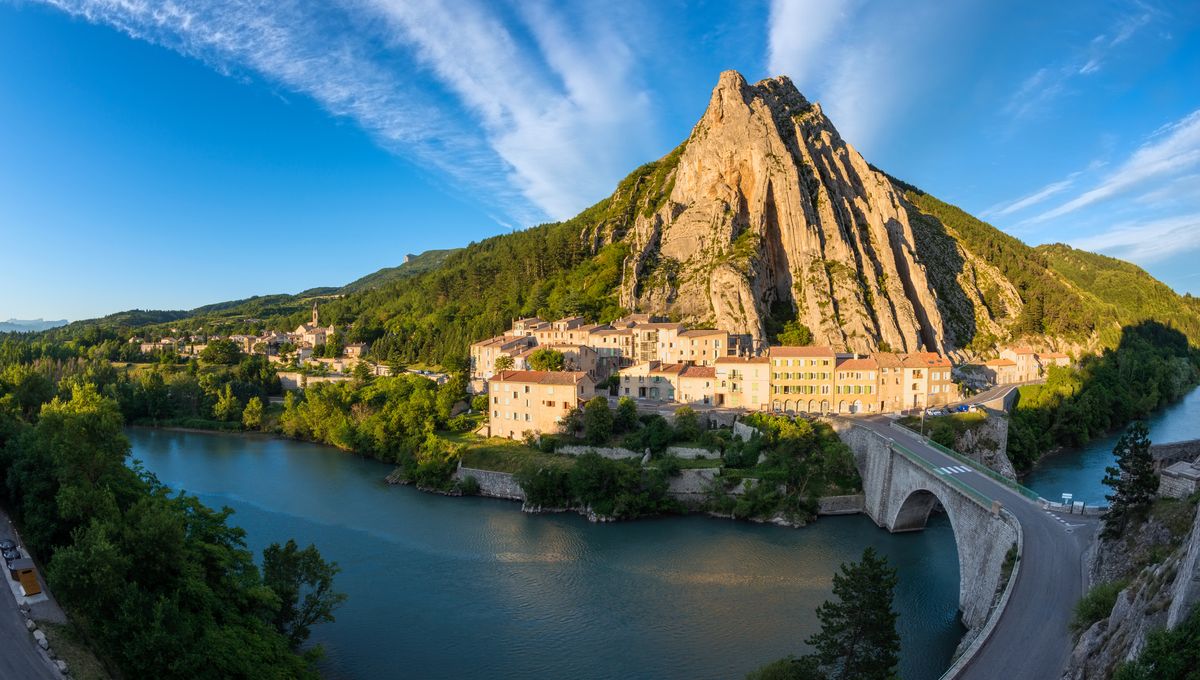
[(1133, 481), (228, 407), (546, 359), (858, 638), (626, 418), (503, 363), (223, 352), (303, 581), (334, 346), (597, 422), (252, 414), (795, 333), (687, 424), (479, 403), (363, 374)]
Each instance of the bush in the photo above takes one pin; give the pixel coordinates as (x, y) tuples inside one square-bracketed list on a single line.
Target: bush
[(479, 403), (461, 423), (1168, 654), (1095, 605), (469, 486)]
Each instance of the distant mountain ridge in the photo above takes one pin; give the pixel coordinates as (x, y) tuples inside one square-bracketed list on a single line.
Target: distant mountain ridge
[(29, 325), (764, 217)]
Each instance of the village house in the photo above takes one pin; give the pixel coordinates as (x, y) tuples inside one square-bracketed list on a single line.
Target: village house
[(485, 353), (356, 350), (1001, 371), (699, 346), (1026, 360), (697, 385), (857, 385), (651, 381), (802, 378), (534, 401), (743, 382)]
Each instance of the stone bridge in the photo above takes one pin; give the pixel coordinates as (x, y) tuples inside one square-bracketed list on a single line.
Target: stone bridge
[(1019, 627), (901, 489)]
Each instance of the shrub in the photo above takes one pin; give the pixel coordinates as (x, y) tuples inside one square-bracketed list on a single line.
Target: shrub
[(469, 486), (1095, 605)]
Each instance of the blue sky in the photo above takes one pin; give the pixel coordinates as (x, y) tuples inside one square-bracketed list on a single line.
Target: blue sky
[(173, 154)]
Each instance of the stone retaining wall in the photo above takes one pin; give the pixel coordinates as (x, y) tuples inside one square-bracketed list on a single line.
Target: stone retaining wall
[(493, 484), (1173, 452), (842, 505), (611, 453)]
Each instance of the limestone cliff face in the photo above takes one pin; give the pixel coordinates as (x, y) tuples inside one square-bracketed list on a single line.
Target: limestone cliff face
[(770, 213)]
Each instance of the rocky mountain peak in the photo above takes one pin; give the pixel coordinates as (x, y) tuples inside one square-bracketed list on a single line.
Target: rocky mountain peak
[(771, 217)]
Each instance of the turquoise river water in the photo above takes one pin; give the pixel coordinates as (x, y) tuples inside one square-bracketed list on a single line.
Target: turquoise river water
[(468, 587), (464, 587)]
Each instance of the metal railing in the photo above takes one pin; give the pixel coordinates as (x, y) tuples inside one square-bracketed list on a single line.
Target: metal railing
[(974, 464)]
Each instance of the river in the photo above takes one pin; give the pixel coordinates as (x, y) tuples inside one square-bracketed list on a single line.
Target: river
[(1080, 471), (463, 587)]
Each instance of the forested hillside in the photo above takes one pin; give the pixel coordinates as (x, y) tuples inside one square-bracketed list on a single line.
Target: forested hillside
[(706, 236)]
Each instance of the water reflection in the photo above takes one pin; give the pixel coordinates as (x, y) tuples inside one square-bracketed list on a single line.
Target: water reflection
[(459, 587)]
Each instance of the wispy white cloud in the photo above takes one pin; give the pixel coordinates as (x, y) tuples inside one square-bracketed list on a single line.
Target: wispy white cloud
[(857, 59), (799, 32), (562, 132), (1029, 200), (548, 125), (1147, 242), (1173, 150), (1049, 82)]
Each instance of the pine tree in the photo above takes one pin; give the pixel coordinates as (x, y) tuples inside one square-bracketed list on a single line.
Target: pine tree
[(1133, 481), (858, 638)]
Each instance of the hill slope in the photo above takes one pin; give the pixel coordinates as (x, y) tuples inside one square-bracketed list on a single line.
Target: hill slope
[(763, 216)]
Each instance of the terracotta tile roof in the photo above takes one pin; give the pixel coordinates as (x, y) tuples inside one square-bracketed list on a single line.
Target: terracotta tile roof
[(540, 377), (743, 360), (668, 368), (926, 360), (699, 372), (701, 332), (1054, 355), (888, 359), (785, 351), (659, 325), (867, 364), (1021, 350), (999, 362), (501, 341)]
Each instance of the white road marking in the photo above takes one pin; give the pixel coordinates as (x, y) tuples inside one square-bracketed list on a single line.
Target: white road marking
[(953, 470)]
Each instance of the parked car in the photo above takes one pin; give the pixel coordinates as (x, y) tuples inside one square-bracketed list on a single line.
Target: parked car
[(961, 408), (12, 554), (6, 544)]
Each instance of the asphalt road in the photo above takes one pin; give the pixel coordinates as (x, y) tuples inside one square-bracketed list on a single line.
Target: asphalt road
[(1031, 640), (20, 657)]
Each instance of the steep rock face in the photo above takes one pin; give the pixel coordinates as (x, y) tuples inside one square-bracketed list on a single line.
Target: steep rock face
[(771, 213), (1160, 595)]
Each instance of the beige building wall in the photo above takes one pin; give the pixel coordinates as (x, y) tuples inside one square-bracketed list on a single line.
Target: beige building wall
[(744, 382), (534, 401), (802, 379)]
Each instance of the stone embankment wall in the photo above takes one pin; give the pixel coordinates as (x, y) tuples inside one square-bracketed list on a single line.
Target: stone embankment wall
[(493, 484), (611, 453), (841, 505), (1162, 595), (617, 453), (743, 431)]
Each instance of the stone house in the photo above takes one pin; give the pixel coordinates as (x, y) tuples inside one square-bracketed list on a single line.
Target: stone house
[(534, 401), (698, 385), (802, 378), (651, 381), (1001, 371), (856, 385), (485, 352), (697, 346), (744, 382)]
